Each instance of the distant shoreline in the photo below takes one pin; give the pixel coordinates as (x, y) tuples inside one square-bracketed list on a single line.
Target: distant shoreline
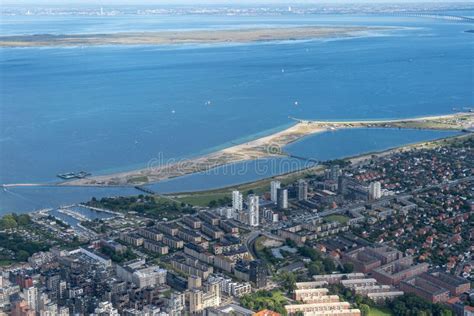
[(184, 37), (353, 159), (265, 147), (287, 176)]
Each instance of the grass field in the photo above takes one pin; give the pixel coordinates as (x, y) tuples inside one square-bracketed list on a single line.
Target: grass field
[(6, 262), (202, 199), (337, 218), (380, 311), (258, 187)]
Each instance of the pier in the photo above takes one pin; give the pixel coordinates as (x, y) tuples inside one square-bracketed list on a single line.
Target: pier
[(73, 214), (100, 210)]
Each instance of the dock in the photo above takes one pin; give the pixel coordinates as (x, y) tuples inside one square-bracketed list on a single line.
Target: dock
[(73, 214), (101, 210)]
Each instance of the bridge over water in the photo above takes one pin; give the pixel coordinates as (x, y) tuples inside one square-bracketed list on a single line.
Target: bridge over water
[(453, 18)]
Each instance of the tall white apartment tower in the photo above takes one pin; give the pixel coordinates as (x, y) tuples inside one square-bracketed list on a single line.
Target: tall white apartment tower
[(282, 198), (31, 297), (302, 190), (253, 210), (274, 186), (375, 190), (237, 201)]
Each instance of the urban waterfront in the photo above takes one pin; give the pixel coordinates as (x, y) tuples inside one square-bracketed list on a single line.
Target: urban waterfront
[(272, 159)]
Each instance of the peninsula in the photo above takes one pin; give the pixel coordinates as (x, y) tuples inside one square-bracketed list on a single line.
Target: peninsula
[(184, 37), (265, 147)]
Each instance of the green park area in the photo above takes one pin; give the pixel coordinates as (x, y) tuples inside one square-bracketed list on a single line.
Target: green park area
[(379, 311), (337, 218), (155, 207), (260, 300)]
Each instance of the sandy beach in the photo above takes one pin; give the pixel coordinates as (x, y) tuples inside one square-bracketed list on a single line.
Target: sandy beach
[(264, 147), (159, 170)]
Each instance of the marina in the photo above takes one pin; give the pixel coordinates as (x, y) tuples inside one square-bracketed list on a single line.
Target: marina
[(75, 214)]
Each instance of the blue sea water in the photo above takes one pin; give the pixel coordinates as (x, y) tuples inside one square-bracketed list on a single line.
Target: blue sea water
[(114, 108)]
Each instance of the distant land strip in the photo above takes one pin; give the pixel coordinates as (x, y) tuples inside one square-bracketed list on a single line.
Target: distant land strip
[(185, 37)]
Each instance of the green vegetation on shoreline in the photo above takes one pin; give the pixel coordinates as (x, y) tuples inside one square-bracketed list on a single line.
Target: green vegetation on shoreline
[(154, 207)]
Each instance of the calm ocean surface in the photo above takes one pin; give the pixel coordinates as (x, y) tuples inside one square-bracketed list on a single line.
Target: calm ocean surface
[(114, 108)]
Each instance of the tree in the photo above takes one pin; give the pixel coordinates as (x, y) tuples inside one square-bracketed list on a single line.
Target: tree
[(23, 220), (329, 265), (315, 268), (358, 299), (348, 267), (446, 312), (410, 304), (22, 255), (289, 281), (309, 252), (290, 243), (212, 204), (8, 222), (364, 309)]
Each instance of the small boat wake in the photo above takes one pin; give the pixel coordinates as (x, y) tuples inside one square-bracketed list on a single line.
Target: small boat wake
[(15, 194)]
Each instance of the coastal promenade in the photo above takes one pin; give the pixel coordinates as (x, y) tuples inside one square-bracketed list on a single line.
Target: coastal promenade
[(265, 147)]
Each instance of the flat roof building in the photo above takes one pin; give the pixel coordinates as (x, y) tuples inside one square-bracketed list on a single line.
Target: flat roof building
[(396, 271), (424, 288)]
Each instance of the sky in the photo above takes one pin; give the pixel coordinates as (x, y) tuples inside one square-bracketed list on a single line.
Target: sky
[(197, 2)]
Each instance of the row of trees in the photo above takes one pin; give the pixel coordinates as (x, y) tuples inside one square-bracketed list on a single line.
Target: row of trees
[(11, 221), (410, 304), (321, 265), (220, 202), (143, 204), (116, 257), (22, 249)]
